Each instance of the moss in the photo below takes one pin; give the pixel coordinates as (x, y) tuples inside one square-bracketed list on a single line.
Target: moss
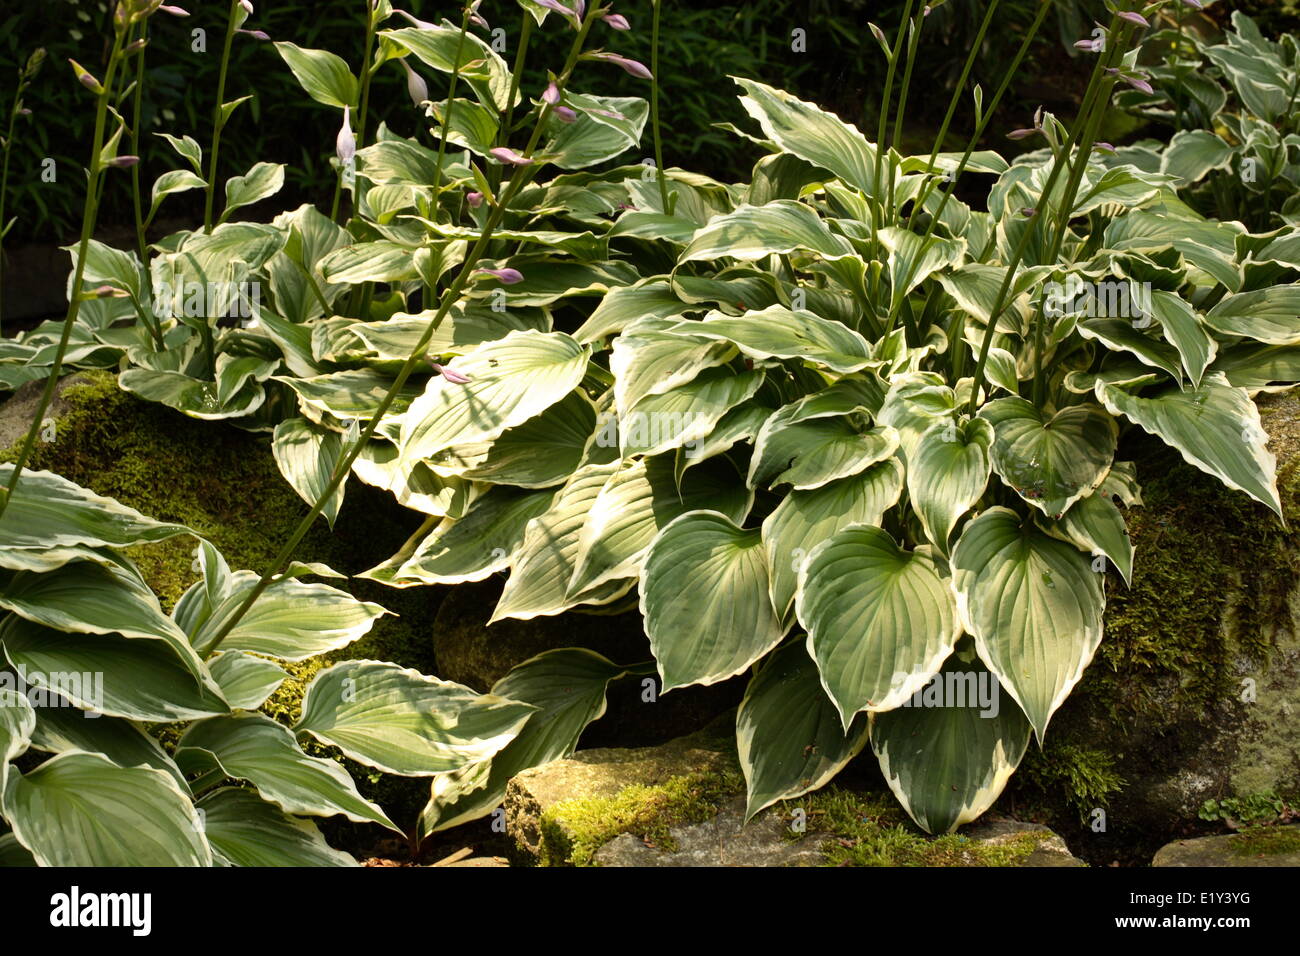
[(1266, 841), (870, 829), (223, 483), (1080, 778), (573, 830)]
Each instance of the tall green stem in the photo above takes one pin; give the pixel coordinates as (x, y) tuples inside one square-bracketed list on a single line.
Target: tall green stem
[(4, 181), (416, 357), (1067, 200), (88, 216), (894, 140), (136, 113), (884, 118), (451, 100), (217, 121), (654, 108)]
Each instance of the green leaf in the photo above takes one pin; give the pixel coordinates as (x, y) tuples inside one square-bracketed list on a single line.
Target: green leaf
[(109, 674), (193, 397), (811, 453), (947, 762), (246, 681), (80, 809), (1050, 462), (1215, 427), (17, 721), (567, 688), (307, 455), (949, 473), (188, 149), (543, 565), (880, 620), (1095, 524), (61, 728), (377, 261), (245, 830), (1266, 315), (324, 76), (1184, 330), (652, 356), (175, 181), (788, 733), (639, 500), (1193, 153), (47, 511), (479, 64), (401, 721), (752, 232), (510, 381), (804, 519), (479, 544), (684, 416), (820, 138), (778, 332), (255, 748), (1033, 605), (263, 180), (705, 599)]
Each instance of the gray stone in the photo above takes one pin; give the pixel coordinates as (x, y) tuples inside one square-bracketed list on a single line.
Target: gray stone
[(724, 840), (1271, 846), (997, 831)]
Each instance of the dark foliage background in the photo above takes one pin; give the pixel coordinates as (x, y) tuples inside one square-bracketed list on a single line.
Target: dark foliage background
[(841, 69)]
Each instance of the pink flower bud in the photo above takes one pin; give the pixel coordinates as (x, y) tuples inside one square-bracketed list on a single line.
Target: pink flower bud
[(1139, 84), (475, 199), (478, 21), (24, 111), (505, 154), (105, 292), (415, 85), (247, 5), (617, 21), (456, 378), (1132, 17), (562, 10), (422, 24), (122, 162), (631, 66), (551, 95), (565, 114), (579, 8), (507, 276), (345, 147), (174, 10), (1103, 147), (255, 34), (1028, 212), (84, 77), (1091, 46), (1021, 133)]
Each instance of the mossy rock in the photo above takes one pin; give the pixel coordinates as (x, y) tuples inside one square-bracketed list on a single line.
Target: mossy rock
[(1257, 846), (223, 482), (1195, 690)]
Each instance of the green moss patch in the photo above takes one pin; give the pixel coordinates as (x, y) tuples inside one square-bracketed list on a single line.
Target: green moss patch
[(1266, 841), (573, 830)]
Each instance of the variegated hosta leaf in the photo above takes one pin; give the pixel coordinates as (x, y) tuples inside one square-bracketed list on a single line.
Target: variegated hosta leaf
[(950, 469), (80, 809), (880, 620), (649, 360), (1033, 605), (788, 732), (813, 452), (948, 754), (752, 232), (479, 544), (1184, 330), (403, 722), (915, 402), (195, 398), (639, 500), (1215, 427), (419, 488), (804, 519), (741, 424), (17, 721), (354, 393), (1050, 462), (685, 415), (60, 728), (245, 830), (542, 566), (1267, 315), (567, 688), (705, 599), (48, 511), (1096, 524), (255, 748), (510, 381), (110, 674), (291, 620), (913, 259), (540, 453), (820, 138), (620, 308), (246, 681), (778, 332), (307, 455), (1120, 336)]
